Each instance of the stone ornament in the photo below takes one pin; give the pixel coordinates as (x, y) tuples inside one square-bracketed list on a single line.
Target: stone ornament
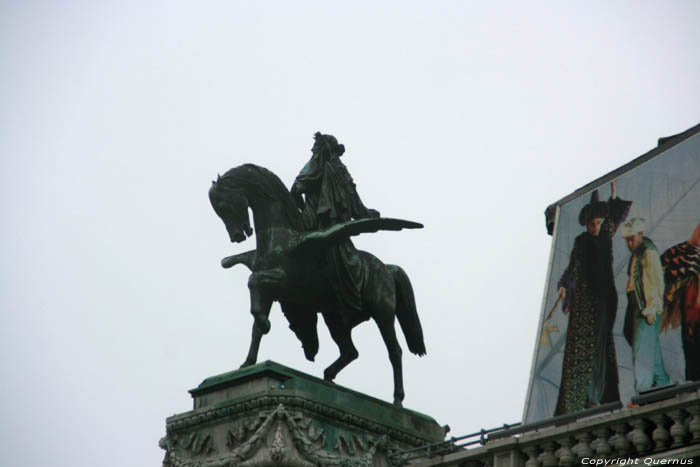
[(280, 438)]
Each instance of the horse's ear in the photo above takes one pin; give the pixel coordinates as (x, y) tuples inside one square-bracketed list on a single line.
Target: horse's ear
[(218, 177)]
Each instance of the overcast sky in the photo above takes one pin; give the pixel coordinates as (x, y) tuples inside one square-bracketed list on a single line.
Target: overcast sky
[(470, 117)]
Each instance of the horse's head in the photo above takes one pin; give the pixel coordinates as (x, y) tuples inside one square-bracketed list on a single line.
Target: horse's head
[(250, 186), (232, 207)]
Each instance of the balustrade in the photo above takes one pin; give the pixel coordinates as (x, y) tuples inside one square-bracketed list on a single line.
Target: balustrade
[(666, 429)]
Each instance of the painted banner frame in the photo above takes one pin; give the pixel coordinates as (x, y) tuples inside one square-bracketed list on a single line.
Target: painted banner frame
[(649, 226)]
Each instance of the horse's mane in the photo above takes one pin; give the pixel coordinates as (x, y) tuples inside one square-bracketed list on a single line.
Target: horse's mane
[(261, 183)]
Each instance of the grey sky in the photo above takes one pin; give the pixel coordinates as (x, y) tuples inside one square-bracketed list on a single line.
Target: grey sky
[(467, 117)]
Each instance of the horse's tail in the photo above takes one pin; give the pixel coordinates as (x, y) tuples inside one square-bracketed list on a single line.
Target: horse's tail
[(406, 311)]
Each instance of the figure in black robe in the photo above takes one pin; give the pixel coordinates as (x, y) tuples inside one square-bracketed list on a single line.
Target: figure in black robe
[(589, 374)]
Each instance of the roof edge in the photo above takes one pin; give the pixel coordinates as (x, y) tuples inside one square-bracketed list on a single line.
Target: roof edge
[(664, 143)]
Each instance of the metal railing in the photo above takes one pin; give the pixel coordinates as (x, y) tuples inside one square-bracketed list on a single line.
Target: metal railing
[(449, 445)]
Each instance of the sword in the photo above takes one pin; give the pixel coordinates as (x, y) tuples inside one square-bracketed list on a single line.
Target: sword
[(544, 336)]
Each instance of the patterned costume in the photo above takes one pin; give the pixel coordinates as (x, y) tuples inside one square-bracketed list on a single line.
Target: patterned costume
[(681, 265), (589, 374)]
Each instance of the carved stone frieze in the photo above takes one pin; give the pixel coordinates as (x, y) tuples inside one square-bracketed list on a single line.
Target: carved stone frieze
[(269, 415), (278, 438), (246, 407)]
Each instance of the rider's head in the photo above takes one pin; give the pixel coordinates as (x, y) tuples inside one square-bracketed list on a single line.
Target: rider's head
[(328, 144)]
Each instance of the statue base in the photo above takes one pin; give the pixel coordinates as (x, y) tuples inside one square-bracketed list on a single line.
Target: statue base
[(271, 415)]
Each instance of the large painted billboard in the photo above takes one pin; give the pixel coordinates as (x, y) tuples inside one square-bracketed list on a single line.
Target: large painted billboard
[(621, 311)]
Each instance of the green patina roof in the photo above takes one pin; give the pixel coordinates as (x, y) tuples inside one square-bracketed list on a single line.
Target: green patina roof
[(293, 382)]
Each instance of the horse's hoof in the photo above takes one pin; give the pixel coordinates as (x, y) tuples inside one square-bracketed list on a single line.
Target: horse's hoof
[(398, 403), (247, 363)]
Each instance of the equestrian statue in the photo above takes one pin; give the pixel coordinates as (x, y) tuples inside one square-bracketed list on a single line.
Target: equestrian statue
[(304, 258)]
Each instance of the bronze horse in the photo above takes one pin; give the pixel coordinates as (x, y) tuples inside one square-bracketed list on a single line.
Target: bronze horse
[(288, 267)]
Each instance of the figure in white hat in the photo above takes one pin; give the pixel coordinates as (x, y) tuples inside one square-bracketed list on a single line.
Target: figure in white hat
[(645, 291)]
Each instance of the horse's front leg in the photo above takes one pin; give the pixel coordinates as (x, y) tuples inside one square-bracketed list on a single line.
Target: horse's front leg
[(260, 308), (259, 284)]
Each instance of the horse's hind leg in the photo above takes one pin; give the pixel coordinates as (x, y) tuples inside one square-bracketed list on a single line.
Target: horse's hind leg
[(341, 334), (385, 322)]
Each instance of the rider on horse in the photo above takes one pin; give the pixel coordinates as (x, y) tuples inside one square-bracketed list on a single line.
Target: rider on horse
[(331, 198), (317, 271)]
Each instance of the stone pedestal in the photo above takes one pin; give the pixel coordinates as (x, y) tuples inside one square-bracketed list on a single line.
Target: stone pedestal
[(269, 414)]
